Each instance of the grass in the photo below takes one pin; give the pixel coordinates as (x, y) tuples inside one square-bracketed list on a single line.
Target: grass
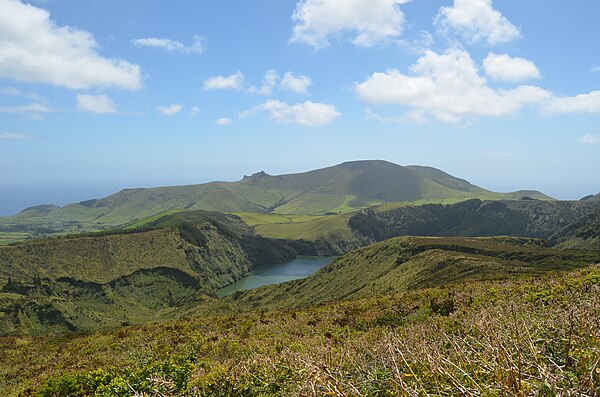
[(405, 263), (330, 227), (12, 237), (154, 218), (254, 219), (339, 189), (530, 336)]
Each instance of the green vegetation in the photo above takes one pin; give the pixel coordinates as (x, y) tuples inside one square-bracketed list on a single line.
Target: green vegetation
[(583, 234), (526, 218), (107, 279), (152, 219), (339, 189), (131, 310), (408, 263), (254, 219), (529, 336)]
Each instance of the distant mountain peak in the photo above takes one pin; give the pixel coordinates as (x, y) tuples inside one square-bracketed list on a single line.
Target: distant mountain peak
[(260, 174)]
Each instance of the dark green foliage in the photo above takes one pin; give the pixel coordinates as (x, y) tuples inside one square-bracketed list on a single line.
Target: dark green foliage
[(473, 218), (369, 225), (107, 279), (162, 377)]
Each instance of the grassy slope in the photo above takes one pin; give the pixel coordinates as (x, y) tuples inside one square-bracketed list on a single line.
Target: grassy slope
[(342, 188), (532, 336), (583, 234), (89, 282), (405, 263)]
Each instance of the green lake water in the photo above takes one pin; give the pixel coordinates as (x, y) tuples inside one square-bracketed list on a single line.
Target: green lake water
[(301, 267)]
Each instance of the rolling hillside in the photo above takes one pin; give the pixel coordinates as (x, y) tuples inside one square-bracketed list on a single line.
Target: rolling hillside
[(583, 234), (536, 334), (407, 263), (470, 218), (104, 280), (338, 189)]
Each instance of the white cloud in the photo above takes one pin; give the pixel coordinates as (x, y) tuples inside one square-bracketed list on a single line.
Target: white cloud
[(34, 49), (194, 111), (14, 136), (513, 69), (297, 84), (307, 113), (197, 46), (369, 22), (232, 82), (590, 139), (447, 86), (582, 103), (170, 110), (34, 108), (270, 80), (595, 69), (99, 104), (475, 21), (289, 82), (223, 121)]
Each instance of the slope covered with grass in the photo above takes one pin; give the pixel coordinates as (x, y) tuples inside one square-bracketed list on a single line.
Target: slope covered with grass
[(103, 280), (531, 336), (408, 263), (341, 188)]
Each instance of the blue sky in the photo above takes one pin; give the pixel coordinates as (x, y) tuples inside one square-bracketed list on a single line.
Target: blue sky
[(100, 95)]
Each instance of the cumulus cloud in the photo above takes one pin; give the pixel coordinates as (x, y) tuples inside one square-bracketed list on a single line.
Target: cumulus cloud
[(197, 47), (223, 121), (14, 136), (296, 84), (169, 110), (99, 104), (582, 103), (231, 82), (447, 86), (367, 22), (270, 80), (513, 69), (476, 21), (590, 139), (34, 49), (289, 82), (307, 113)]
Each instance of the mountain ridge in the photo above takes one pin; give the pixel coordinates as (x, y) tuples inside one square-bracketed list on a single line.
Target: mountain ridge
[(341, 188)]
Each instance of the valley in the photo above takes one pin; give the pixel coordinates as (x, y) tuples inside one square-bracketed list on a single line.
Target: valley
[(315, 273)]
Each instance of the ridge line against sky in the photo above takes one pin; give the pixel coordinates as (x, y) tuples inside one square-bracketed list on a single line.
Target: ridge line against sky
[(101, 94)]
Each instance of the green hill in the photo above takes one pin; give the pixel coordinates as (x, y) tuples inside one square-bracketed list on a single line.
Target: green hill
[(527, 334), (336, 234), (407, 263), (108, 279), (583, 234), (341, 188)]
